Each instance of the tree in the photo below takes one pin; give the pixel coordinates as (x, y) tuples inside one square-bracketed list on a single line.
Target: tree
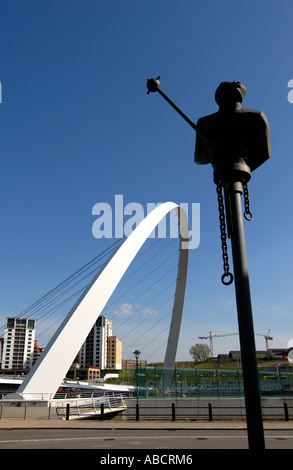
[(200, 352)]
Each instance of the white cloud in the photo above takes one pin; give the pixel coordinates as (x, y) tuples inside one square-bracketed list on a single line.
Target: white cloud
[(150, 313), (125, 309)]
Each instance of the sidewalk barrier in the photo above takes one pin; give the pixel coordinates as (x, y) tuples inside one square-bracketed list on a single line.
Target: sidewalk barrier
[(144, 409), (173, 412), (66, 409), (209, 412), (286, 412), (137, 412)]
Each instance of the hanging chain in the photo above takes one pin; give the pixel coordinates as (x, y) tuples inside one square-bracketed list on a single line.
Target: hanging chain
[(226, 266), (247, 214)]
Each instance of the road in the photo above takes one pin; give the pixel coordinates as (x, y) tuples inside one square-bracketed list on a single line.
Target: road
[(110, 439)]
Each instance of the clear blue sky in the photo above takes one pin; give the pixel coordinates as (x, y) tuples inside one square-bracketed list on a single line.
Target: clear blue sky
[(77, 127)]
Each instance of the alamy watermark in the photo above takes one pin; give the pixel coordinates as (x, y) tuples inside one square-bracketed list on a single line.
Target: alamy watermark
[(290, 94), (290, 351), (119, 220)]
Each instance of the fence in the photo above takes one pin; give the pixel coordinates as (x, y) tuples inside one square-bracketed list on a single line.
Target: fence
[(70, 408), (188, 409), (181, 409)]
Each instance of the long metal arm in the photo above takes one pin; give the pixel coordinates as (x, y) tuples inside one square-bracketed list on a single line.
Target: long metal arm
[(153, 85), (177, 109)]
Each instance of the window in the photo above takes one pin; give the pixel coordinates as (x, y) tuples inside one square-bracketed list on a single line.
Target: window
[(31, 324), (10, 323)]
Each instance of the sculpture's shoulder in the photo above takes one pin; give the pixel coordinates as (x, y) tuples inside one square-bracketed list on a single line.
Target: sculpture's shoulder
[(241, 117), (252, 112)]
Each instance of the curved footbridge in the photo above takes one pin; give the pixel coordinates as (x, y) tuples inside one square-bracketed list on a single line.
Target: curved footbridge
[(49, 371)]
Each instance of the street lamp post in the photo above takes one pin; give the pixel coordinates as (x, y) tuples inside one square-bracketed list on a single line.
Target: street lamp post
[(236, 141), (137, 354)]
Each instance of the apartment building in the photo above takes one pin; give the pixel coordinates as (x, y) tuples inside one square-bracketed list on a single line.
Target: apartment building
[(101, 348), (100, 351), (18, 344), (114, 353)]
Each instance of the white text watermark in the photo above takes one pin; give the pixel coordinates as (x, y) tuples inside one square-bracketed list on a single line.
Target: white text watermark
[(290, 94), (290, 351), (119, 220)]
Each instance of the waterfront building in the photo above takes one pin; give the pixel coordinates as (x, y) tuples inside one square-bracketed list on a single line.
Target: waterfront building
[(131, 363), (18, 344), (114, 353), (101, 348)]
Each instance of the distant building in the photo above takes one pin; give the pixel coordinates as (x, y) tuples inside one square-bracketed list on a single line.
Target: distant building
[(131, 363), (1, 350), (114, 353), (37, 352), (83, 373), (101, 348), (18, 345)]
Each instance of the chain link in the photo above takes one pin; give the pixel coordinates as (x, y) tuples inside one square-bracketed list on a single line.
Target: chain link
[(247, 213), (225, 257)]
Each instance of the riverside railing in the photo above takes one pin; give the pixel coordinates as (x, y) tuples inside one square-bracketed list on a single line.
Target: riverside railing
[(175, 411), (65, 408), (180, 409)]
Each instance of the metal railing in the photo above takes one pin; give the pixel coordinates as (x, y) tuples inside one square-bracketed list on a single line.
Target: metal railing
[(64, 407), (209, 412), (89, 394), (69, 395), (95, 406), (69, 407)]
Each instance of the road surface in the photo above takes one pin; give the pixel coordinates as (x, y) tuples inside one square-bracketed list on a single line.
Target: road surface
[(128, 440)]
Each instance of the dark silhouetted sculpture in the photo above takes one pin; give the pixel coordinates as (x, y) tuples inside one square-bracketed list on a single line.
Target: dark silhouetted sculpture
[(238, 138), (235, 141)]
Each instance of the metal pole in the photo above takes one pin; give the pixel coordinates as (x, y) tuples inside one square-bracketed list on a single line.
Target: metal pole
[(67, 411), (173, 412), (153, 85), (137, 380), (245, 319), (210, 412), (179, 111), (137, 353), (286, 412)]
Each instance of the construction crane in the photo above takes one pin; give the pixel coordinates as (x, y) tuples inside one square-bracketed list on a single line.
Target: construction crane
[(210, 337), (267, 338)]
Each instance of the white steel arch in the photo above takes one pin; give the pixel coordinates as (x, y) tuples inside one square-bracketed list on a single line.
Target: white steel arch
[(49, 371)]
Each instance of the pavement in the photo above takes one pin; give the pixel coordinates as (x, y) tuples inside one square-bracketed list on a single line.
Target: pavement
[(42, 423)]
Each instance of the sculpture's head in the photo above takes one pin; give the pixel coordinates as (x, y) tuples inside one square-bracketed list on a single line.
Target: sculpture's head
[(230, 93)]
